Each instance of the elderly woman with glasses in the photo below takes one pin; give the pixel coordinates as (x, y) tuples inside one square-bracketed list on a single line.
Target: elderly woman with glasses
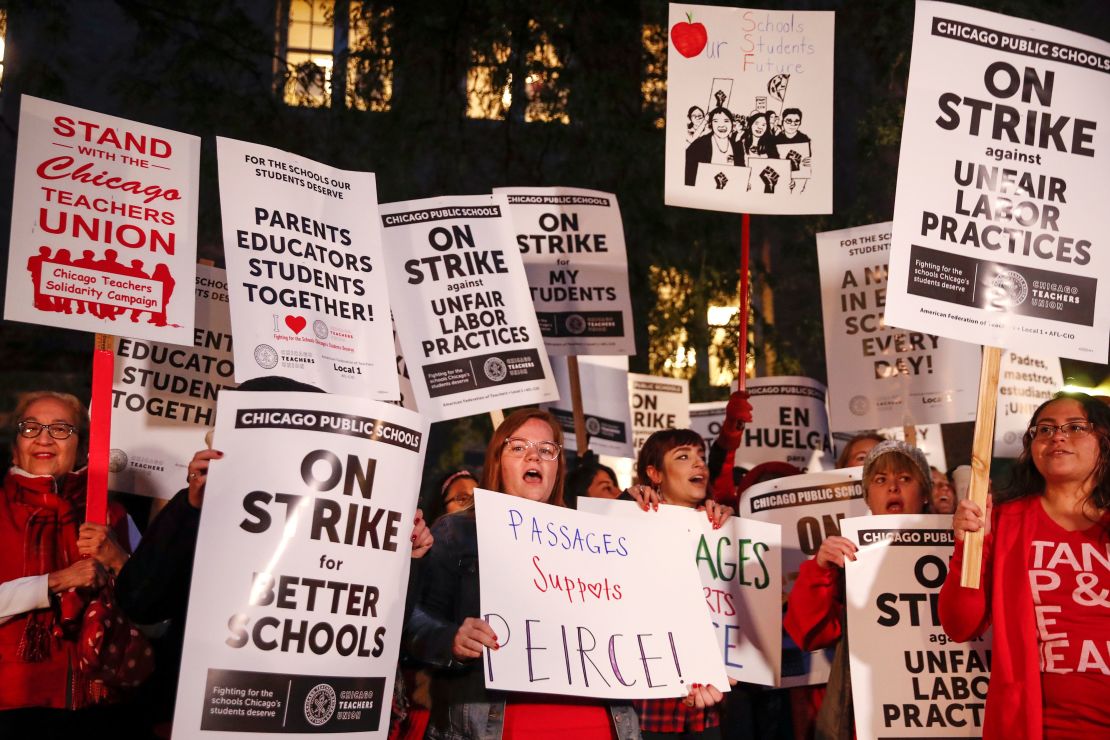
[(1045, 579), (524, 458), (50, 563)]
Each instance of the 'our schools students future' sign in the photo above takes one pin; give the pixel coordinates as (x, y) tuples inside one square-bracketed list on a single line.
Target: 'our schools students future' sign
[(1000, 220), (104, 224)]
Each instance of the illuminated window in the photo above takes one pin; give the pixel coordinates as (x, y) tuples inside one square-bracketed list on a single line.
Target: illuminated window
[(315, 47), (669, 350), (489, 82), (653, 87), (3, 41), (722, 344)]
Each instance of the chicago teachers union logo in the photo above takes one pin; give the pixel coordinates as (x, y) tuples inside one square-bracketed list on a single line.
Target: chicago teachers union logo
[(494, 369), (319, 704), (1010, 288), (266, 356)]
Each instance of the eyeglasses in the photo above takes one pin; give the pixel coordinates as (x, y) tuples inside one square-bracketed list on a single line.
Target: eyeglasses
[(795, 121), (1071, 429), (518, 447), (59, 430)]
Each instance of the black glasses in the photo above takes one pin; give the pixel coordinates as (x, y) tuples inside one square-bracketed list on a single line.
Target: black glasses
[(795, 121), (518, 447), (1070, 429), (58, 430)]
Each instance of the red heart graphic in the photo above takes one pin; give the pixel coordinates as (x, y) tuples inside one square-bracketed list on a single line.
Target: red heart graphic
[(296, 323), (595, 589)]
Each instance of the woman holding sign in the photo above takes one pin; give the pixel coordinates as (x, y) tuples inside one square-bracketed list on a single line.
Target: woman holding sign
[(524, 458), (1046, 579)]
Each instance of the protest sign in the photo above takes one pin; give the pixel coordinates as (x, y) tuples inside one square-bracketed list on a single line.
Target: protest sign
[(790, 423), (301, 567), (657, 403), (741, 578), (1001, 201), (104, 224), (930, 441), (1025, 381), (809, 508), (164, 396), (572, 244), (466, 321), (590, 605), (308, 290), (604, 402), (706, 419), (908, 678), (884, 376), (749, 110)]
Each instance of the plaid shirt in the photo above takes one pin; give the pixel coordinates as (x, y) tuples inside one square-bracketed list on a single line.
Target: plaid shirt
[(672, 715)]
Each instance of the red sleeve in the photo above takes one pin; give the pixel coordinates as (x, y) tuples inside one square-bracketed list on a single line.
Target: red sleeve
[(117, 521), (815, 610), (723, 487), (965, 612)]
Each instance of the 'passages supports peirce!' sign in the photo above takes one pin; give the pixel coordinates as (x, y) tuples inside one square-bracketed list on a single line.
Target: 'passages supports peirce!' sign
[(1000, 222), (104, 224)]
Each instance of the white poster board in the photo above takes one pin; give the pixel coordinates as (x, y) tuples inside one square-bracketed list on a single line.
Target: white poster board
[(884, 376), (706, 419), (930, 441), (604, 404), (809, 508), (572, 244), (741, 578), (908, 679), (164, 396), (1001, 205), (749, 110), (463, 312), (309, 296), (657, 403), (790, 423), (301, 568), (104, 224), (589, 605), (1025, 381)]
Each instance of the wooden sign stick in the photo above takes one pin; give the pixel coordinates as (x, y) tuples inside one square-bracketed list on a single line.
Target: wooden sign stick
[(745, 299), (909, 433), (981, 448), (580, 435), (497, 417)]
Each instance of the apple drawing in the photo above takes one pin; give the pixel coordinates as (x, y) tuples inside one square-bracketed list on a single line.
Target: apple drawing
[(689, 38)]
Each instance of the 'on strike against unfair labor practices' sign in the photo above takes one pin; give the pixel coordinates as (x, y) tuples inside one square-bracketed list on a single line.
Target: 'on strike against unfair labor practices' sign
[(809, 508), (885, 376), (749, 110), (572, 245), (741, 578), (590, 605), (104, 224), (790, 423), (164, 396), (657, 403), (1000, 219), (604, 403), (308, 289), (466, 321), (908, 679), (301, 568), (706, 419), (1025, 381)]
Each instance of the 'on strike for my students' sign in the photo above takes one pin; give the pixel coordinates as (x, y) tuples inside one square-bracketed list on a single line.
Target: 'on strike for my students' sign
[(104, 224), (462, 309), (308, 289), (1000, 221), (590, 605), (301, 568)]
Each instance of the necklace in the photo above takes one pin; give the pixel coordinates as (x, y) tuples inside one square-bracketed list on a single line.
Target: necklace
[(721, 149)]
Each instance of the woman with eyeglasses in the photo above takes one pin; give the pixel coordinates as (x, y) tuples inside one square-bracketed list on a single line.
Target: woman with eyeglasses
[(50, 566), (524, 458), (1045, 579)]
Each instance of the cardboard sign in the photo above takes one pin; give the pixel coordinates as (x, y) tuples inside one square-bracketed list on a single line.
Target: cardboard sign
[(572, 244), (908, 679), (741, 578), (466, 321), (809, 508), (308, 289), (301, 567), (657, 403), (930, 441), (790, 423), (884, 376), (604, 402), (749, 110), (1025, 381), (104, 224), (164, 396), (706, 419), (1001, 209), (589, 605)]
